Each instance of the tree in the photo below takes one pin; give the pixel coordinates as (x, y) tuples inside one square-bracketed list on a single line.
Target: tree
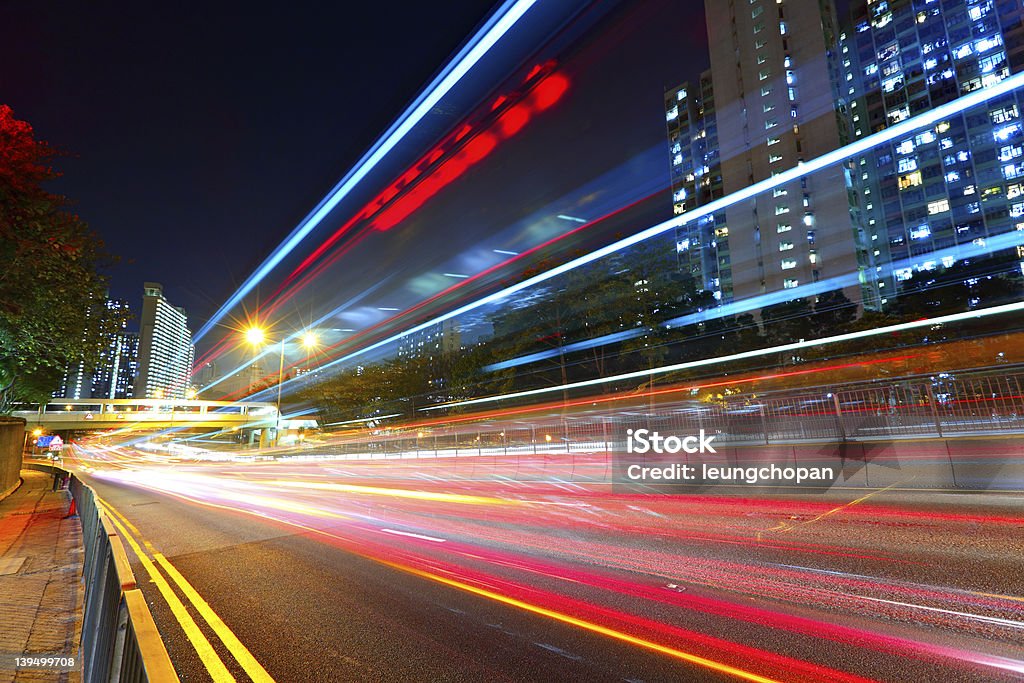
[(52, 297)]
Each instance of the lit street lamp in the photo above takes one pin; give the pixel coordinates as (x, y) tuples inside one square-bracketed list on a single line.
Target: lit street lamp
[(256, 336)]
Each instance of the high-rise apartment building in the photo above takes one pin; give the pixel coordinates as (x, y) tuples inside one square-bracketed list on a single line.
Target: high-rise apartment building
[(116, 364), (788, 86), (166, 352), (702, 246), (935, 198), (770, 72)]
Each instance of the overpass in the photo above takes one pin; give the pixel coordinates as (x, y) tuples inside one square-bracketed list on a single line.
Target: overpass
[(146, 413)]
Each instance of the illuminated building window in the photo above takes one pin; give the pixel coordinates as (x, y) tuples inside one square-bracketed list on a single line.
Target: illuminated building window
[(790, 283), (672, 114), (1004, 114), (921, 232), (785, 246), (781, 209), (979, 11), (773, 141), (788, 264), (938, 206), (985, 44), (900, 114), (910, 180), (964, 50), (764, 74), (907, 164), (989, 64), (888, 52), (783, 227), (1009, 152), (770, 123)]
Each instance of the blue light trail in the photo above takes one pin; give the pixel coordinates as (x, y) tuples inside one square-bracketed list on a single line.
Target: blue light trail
[(496, 26)]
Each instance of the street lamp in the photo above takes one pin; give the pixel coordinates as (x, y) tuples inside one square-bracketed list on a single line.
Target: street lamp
[(256, 336)]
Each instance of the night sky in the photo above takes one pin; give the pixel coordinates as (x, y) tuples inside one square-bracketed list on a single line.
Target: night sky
[(200, 136)]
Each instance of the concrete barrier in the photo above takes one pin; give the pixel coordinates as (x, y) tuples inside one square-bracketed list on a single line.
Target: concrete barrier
[(12, 439)]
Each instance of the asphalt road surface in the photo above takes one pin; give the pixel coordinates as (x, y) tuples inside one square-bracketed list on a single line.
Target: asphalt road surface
[(345, 571)]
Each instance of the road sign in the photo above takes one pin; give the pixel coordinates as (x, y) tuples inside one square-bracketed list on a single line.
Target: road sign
[(56, 443), (44, 441)]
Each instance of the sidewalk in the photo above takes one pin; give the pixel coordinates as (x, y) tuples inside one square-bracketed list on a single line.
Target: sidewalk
[(40, 589)]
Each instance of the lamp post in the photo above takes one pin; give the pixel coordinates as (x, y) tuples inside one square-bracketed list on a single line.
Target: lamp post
[(256, 336)]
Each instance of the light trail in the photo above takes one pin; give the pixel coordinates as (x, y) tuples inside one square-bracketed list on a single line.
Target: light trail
[(1006, 240), (503, 19), (598, 561), (781, 348), (831, 158)]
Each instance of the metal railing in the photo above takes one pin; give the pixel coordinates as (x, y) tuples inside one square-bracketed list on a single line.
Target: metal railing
[(120, 641), (978, 404)]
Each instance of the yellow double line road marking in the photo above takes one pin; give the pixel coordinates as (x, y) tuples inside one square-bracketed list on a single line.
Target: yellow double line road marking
[(211, 660)]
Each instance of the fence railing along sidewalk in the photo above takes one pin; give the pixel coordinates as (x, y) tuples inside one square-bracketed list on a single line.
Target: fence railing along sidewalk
[(120, 641)]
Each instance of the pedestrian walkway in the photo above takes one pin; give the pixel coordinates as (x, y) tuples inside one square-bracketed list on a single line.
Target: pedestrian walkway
[(40, 589)]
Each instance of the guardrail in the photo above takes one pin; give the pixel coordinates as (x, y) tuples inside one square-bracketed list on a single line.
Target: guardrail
[(120, 641), (971, 404)]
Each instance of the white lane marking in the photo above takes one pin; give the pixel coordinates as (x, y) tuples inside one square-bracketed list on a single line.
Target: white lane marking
[(407, 533)]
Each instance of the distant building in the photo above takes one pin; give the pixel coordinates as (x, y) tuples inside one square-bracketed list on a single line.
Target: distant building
[(114, 373), (443, 339), (205, 376), (166, 352)]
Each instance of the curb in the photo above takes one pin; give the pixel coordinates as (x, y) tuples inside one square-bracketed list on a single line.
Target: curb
[(12, 489)]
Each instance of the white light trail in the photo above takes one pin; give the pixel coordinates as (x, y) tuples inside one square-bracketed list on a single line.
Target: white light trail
[(858, 147), (781, 348), (497, 26)]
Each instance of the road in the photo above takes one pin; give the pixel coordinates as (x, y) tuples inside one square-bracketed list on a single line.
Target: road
[(340, 570)]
